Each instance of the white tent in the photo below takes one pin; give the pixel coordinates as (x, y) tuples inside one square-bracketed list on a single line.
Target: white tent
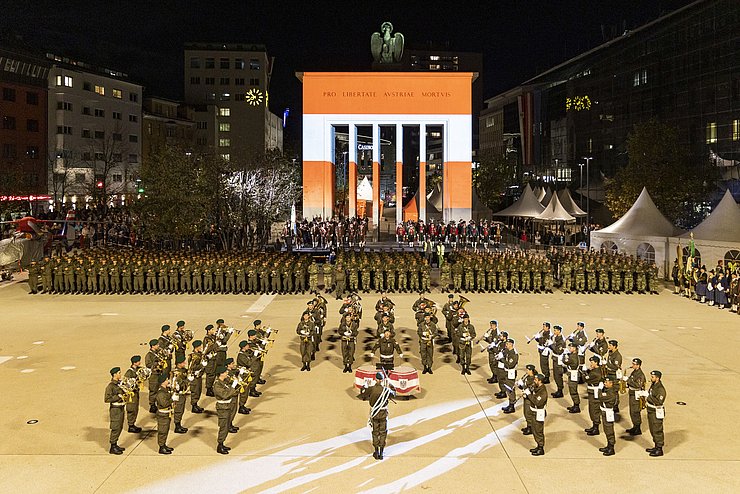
[(546, 198), (567, 201), (434, 198), (718, 235), (541, 192), (537, 190), (642, 231), (555, 211), (365, 190), (527, 206)]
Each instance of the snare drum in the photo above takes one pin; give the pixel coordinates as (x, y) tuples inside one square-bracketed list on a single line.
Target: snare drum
[(404, 379)]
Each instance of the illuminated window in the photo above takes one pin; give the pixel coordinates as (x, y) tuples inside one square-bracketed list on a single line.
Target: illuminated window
[(226, 157), (224, 143), (736, 130), (64, 80), (117, 93), (644, 77), (636, 79), (224, 112), (434, 66), (225, 96), (239, 63), (224, 127), (711, 132), (100, 90)]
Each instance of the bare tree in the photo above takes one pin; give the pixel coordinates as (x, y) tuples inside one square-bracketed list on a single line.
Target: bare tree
[(104, 154), (61, 165)]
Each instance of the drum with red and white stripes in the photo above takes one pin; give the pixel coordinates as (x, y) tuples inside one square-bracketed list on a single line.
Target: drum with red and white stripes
[(404, 379)]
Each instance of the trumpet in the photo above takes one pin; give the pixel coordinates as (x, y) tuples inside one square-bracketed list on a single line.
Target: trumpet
[(241, 379), (622, 387)]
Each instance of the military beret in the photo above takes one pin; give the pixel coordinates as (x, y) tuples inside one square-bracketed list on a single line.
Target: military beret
[(637, 361), (450, 296), (494, 321), (251, 332), (114, 370), (209, 327), (540, 377), (197, 343), (599, 330), (595, 359), (180, 324), (531, 367), (219, 321), (257, 322), (546, 324), (379, 375), (505, 334), (466, 316), (581, 324), (613, 342), (243, 343), (229, 361), (220, 370), (572, 344), (510, 340), (179, 359), (153, 342), (165, 327), (559, 328), (162, 378), (135, 358), (656, 373)]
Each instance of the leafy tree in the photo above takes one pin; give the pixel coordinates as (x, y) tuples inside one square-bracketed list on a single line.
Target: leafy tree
[(493, 176), (658, 161)]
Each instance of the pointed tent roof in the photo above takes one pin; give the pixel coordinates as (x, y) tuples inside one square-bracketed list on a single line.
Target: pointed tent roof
[(643, 218), (567, 201), (541, 192), (555, 211), (547, 197), (527, 206), (435, 197), (365, 190), (722, 224), (537, 191)]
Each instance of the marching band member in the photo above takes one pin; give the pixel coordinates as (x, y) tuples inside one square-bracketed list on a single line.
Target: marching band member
[(465, 335), (524, 384), (608, 402), (244, 360), (132, 407), (114, 396), (151, 361), (537, 398), (164, 411), (305, 330), (348, 331), (572, 364), (557, 347), (224, 394), (427, 332), (510, 360), (180, 389), (491, 336), (195, 364), (378, 396), (635, 383), (656, 411), (210, 348), (388, 346)]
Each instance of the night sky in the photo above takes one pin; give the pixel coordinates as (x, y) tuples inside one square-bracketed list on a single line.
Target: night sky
[(145, 38)]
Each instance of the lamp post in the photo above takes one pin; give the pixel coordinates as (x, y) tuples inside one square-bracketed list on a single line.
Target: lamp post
[(588, 197), (580, 186)]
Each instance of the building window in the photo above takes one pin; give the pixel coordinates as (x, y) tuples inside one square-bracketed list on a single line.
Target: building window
[(736, 130), (194, 63), (133, 118), (239, 97), (210, 63), (117, 93), (210, 81), (86, 110), (8, 94), (99, 112), (239, 81), (224, 127), (86, 86), (116, 115), (64, 80), (99, 134), (32, 152), (133, 97), (32, 125), (133, 158), (224, 143), (86, 156), (64, 105), (116, 158), (254, 81), (117, 177), (64, 129), (100, 90), (224, 63), (254, 64), (133, 138), (646, 252), (202, 125), (99, 156), (644, 77), (226, 157), (195, 80), (711, 132), (211, 97), (117, 137), (86, 133), (80, 178), (225, 96), (9, 151), (32, 98), (201, 141), (636, 79), (9, 123), (171, 132), (490, 122), (239, 63), (224, 112), (224, 81)]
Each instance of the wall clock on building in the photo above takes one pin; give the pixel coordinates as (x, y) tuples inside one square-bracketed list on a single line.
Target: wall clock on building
[(254, 97)]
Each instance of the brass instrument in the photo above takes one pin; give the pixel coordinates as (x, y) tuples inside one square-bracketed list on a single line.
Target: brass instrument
[(463, 301), (181, 338), (242, 378), (162, 361), (195, 364), (622, 387), (142, 375), (129, 386), (209, 352)]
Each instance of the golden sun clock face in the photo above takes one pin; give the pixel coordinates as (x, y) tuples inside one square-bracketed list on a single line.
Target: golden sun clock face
[(254, 97)]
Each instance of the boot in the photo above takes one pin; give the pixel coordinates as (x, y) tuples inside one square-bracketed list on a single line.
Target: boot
[(303, 368), (164, 451), (375, 454), (635, 431), (574, 409), (650, 450), (463, 370), (152, 408), (221, 449), (134, 429), (467, 370), (500, 394), (308, 366), (197, 409), (604, 448), (261, 381), (209, 392), (609, 450), (539, 451), (527, 431), (534, 449), (430, 370), (557, 394), (227, 448), (380, 453), (509, 409), (115, 450), (233, 429), (244, 410), (593, 431), (658, 451), (490, 380), (424, 371), (168, 448), (256, 394), (179, 429)]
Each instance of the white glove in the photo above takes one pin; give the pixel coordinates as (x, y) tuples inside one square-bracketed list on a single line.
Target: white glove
[(191, 378), (400, 355), (235, 384), (624, 378), (527, 392)]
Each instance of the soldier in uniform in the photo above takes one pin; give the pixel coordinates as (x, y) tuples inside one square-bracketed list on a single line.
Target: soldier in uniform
[(254, 347), (566, 277), (524, 384), (599, 345), (210, 347), (445, 276), (138, 277), (465, 336), (427, 331), (557, 348), (572, 365), (195, 365), (635, 384), (240, 275), (252, 279), (537, 397), (340, 278), (305, 331), (80, 276), (313, 277), (152, 362), (655, 401), (173, 273), (544, 340), (388, 346), (166, 346), (180, 389), (132, 407), (229, 277), (125, 278), (91, 274), (378, 396), (69, 277), (224, 394), (233, 372), (46, 276), (608, 402), (614, 367), (33, 277), (207, 271), (491, 336), (114, 396), (164, 411), (510, 360), (595, 387), (348, 330), (151, 277), (244, 361)]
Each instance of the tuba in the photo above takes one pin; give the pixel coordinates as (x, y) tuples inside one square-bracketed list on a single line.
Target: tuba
[(463, 301)]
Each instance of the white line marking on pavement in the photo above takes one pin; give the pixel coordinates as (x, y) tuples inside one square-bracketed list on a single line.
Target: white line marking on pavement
[(27, 371), (109, 314), (38, 342), (22, 357), (366, 482), (261, 303), (4, 359), (68, 367)]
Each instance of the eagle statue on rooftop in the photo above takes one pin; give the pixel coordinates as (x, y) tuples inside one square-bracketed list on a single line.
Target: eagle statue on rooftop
[(386, 48)]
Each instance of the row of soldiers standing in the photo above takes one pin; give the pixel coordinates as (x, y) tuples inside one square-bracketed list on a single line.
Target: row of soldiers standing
[(500, 271), (605, 272), (230, 381)]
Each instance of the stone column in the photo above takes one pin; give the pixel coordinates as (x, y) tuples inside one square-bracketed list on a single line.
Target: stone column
[(352, 172), (423, 172), (376, 178), (399, 173)]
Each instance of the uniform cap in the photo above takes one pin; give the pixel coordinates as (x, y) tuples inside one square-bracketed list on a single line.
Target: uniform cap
[(257, 322), (251, 332), (243, 343), (180, 324), (637, 361), (599, 330), (546, 324), (494, 321), (135, 358), (540, 377), (505, 334), (153, 342), (379, 376), (607, 378), (595, 359), (209, 327), (197, 343), (613, 342), (165, 327), (656, 373), (581, 324), (466, 316), (114, 370), (220, 370), (559, 328), (510, 340), (179, 359), (219, 321), (531, 367), (450, 296), (229, 361)]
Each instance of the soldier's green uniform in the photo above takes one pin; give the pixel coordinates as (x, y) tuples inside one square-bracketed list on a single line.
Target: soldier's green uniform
[(457, 276), (126, 278), (179, 395), (656, 412), (218, 278), (162, 277), (265, 278), (195, 364), (252, 279), (427, 332), (80, 277), (390, 278), (595, 387), (635, 382), (603, 277), (240, 275), (640, 273), (224, 396), (353, 277), (164, 411), (557, 348), (91, 275), (58, 276), (402, 279), (426, 278), (275, 279), (151, 277), (47, 279), (174, 275), (572, 367), (104, 277), (378, 280), (340, 277), (207, 278), (365, 276), (348, 334), (566, 277), (313, 277), (608, 401), (444, 277), (132, 407), (465, 336), (300, 277), (33, 277), (468, 276), (580, 278), (244, 360), (229, 278), (115, 277), (537, 400), (69, 277), (197, 274), (379, 414), (185, 277), (138, 276), (511, 360), (287, 273), (113, 397)]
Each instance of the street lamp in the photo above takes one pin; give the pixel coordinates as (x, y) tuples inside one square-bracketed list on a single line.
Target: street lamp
[(580, 165), (588, 196)]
